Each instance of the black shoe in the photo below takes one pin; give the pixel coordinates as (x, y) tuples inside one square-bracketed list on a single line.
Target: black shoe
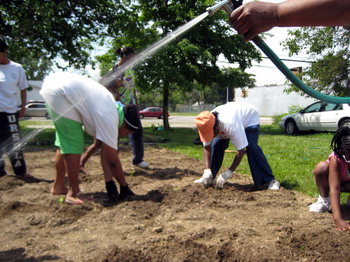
[(125, 191), (112, 191)]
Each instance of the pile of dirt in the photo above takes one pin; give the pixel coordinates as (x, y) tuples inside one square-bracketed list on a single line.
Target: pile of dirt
[(170, 218)]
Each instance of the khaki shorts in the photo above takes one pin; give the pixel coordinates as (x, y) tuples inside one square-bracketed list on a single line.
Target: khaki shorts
[(69, 134)]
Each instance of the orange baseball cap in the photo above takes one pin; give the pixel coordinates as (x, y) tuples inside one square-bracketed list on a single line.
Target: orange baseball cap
[(205, 122)]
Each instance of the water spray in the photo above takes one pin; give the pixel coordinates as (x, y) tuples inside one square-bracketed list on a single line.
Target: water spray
[(229, 6)]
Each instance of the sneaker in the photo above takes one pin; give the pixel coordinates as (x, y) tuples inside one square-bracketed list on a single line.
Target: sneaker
[(322, 205), (142, 164), (274, 185)]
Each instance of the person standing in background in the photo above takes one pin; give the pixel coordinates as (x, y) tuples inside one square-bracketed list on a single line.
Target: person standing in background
[(125, 94), (12, 79)]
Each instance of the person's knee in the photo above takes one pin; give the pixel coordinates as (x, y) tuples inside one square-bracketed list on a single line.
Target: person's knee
[(321, 169)]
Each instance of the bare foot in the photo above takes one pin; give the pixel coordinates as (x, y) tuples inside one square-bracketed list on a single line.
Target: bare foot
[(74, 201), (79, 199)]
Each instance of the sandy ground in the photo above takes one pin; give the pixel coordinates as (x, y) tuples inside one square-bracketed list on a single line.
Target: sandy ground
[(170, 219)]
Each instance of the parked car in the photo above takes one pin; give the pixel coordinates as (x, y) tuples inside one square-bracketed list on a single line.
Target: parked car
[(152, 112), (36, 109), (319, 116)]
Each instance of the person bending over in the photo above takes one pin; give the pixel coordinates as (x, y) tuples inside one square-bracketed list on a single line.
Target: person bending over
[(74, 102), (240, 123)]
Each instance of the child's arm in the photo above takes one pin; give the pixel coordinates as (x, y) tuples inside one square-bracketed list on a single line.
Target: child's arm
[(334, 188)]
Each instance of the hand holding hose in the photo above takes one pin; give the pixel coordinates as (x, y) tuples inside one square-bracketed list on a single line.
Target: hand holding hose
[(254, 18)]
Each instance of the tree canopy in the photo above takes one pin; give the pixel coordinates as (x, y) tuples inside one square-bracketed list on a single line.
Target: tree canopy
[(44, 30), (191, 58), (329, 49)]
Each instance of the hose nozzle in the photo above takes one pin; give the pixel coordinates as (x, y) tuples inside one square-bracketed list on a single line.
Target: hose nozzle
[(227, 5)]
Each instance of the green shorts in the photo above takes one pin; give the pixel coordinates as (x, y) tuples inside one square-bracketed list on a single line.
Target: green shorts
[(69, 134)]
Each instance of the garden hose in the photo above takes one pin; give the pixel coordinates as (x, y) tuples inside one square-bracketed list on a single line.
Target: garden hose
[(229, 6), (293, 78)]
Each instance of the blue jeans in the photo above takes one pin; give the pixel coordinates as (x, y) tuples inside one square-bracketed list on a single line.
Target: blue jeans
[(136, 140), (259, 167)]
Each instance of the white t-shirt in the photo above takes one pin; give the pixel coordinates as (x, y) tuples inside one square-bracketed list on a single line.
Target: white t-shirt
[(234, 118), (12, 79), (81, 99)]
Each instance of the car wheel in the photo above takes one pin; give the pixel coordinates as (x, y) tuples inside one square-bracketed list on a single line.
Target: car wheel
[(141, 116), (345, 122), (160, 117), (291, 127)]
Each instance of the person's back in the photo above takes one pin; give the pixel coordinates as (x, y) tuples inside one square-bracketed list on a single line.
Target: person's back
[(96, 106), (238, 112)]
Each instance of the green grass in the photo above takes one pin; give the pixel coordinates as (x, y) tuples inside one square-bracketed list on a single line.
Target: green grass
[(292, 158)]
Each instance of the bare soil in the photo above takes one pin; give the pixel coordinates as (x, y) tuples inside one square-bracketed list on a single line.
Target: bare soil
[(170, 219)]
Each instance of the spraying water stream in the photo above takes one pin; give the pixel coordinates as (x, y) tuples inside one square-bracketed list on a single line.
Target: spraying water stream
[(113, 75)]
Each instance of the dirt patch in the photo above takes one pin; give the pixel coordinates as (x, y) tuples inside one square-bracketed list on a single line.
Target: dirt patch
[(170, 219)]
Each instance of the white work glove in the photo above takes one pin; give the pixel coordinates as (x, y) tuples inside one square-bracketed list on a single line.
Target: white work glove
[(221, 180), (206, 178)]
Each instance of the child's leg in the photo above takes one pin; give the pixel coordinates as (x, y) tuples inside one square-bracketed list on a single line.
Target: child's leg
[(59, 187), (72, 162), (321, 178)]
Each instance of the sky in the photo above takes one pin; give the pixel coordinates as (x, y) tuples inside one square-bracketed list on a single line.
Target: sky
[(266, 73)]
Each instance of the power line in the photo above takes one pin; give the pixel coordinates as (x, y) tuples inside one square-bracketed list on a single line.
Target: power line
[(292, 60)]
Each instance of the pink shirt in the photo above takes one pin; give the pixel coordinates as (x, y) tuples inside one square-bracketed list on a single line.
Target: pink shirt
[(343, 167)]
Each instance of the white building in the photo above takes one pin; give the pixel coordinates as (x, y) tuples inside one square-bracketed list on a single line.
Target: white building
[(271, 100)]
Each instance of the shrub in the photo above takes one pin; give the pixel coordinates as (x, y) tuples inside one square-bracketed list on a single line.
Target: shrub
[(292, 109)]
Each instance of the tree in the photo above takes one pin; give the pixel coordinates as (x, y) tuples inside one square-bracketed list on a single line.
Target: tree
[(192, 57), (43, 30), (329, 48)]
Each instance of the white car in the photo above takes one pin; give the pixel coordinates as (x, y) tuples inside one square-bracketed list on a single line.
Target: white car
[(36, 109), (319, 116)]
